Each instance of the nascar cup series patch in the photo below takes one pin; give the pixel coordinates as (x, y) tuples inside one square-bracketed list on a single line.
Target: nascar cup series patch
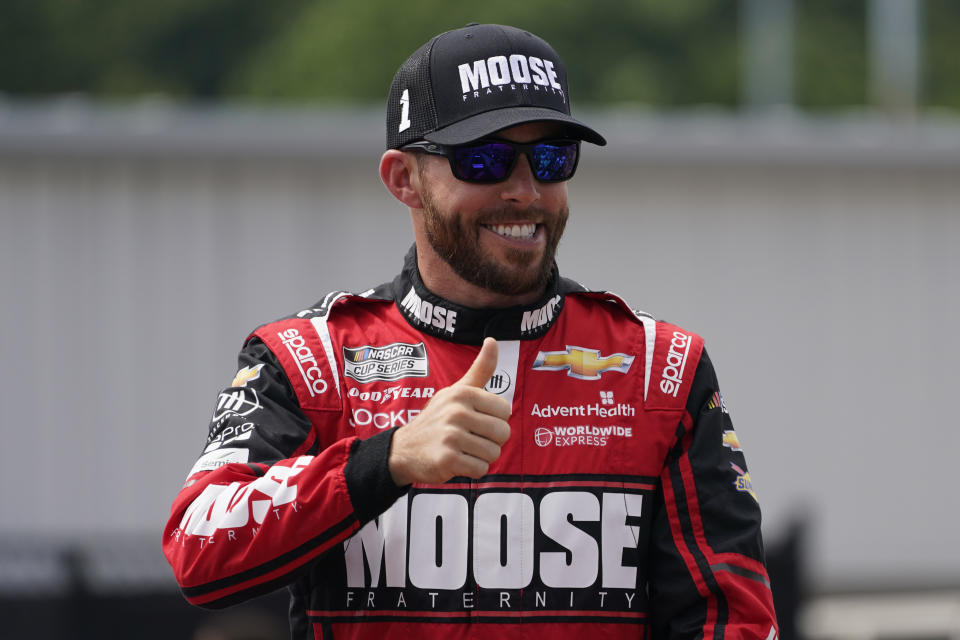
[(389, 362)]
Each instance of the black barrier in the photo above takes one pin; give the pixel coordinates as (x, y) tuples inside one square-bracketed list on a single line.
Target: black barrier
[(785, 568), (145, 616)]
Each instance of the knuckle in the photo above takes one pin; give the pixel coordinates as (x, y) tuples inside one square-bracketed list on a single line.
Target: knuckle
[(442, 395), (460, 415), (447, 458), (451, 435), (456, 392), (480, 469)]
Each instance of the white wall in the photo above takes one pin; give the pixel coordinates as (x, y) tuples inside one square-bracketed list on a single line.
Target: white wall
[(818, 261)]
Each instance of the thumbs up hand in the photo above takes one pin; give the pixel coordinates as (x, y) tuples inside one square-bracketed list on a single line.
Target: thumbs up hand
[(458, 433)]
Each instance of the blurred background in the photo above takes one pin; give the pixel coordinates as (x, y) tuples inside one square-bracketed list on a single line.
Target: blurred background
[(783, 177)]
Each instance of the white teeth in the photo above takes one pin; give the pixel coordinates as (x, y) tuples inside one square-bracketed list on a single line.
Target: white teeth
[(514, 230)]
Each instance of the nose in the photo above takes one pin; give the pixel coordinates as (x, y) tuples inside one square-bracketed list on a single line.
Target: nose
[(521, 188)]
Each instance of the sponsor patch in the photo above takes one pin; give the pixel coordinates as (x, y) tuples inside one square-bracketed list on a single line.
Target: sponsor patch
[(543, 437), (606, 397), (245, 375), (241, 402), (716, 400), (528, 73), (218, 458), (305, 360), (227, 434), (731, 440), (595, 410), (582, 363), (362, 417), (234, 505), (391, 393), (580, 435), (427, 314), (672, 376), (389, 362), (499, 382), (743, 483), (579, 559), (533, 320)]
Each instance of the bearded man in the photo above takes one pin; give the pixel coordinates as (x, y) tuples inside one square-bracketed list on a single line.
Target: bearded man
[(479, 448)]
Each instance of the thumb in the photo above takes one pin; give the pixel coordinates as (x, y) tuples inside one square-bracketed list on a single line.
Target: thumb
[(483, 367)]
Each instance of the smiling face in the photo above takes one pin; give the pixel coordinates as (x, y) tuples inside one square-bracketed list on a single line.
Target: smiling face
[(496, 239)]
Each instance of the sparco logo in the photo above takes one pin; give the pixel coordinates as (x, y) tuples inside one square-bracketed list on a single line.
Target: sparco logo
[(500, 70), (676, 362), (390, 362), (427, 313), (306, 362)]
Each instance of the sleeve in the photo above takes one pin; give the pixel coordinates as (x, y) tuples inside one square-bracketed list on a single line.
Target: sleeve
[(708, 578), (267, 496)]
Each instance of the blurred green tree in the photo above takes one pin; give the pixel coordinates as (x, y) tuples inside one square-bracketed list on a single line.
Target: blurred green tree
[(637, 52), (640, 51)]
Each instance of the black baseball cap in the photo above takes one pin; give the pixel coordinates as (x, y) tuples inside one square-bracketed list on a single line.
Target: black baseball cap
[(468, 83)]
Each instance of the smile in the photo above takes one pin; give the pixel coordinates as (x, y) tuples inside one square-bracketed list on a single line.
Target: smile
[(513, 230)]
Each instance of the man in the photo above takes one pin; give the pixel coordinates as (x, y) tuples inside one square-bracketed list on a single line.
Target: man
[(479, 448)]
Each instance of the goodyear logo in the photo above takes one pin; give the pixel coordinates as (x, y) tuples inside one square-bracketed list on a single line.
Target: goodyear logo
[(389, 362), (585, 364)]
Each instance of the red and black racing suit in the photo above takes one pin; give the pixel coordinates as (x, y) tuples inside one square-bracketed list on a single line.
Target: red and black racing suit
[(620, 506)]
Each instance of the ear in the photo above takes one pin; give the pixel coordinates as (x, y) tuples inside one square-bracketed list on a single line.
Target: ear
[(400, 174)]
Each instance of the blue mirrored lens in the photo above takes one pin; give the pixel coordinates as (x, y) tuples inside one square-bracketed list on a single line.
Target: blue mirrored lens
[(488, 162), (554, 162), (493, 161)]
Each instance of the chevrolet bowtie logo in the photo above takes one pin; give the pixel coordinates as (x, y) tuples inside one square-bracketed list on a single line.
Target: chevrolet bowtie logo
[(245, 375), (586, 364)]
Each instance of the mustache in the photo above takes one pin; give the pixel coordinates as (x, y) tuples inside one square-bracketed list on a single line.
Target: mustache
[(532, 214)]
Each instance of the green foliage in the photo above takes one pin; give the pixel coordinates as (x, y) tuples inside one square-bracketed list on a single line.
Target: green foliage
[(652, 52), (831, 53), (113, 47), (640, 51), (941, 81)]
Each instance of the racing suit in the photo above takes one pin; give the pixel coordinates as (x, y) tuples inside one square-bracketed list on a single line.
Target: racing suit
[(621, 504)]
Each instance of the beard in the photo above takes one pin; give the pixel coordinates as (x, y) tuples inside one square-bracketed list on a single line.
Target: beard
[(458, 244)]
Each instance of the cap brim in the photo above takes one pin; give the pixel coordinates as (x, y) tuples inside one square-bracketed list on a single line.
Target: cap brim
[(484, 124)]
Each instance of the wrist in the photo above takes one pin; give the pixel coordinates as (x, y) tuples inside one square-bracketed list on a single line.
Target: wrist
[(396, 463)]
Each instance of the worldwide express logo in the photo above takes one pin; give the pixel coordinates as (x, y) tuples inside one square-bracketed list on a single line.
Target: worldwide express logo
[(585, 364)]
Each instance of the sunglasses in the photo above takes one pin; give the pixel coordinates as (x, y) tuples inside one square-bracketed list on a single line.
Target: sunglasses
[(489, 161)]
